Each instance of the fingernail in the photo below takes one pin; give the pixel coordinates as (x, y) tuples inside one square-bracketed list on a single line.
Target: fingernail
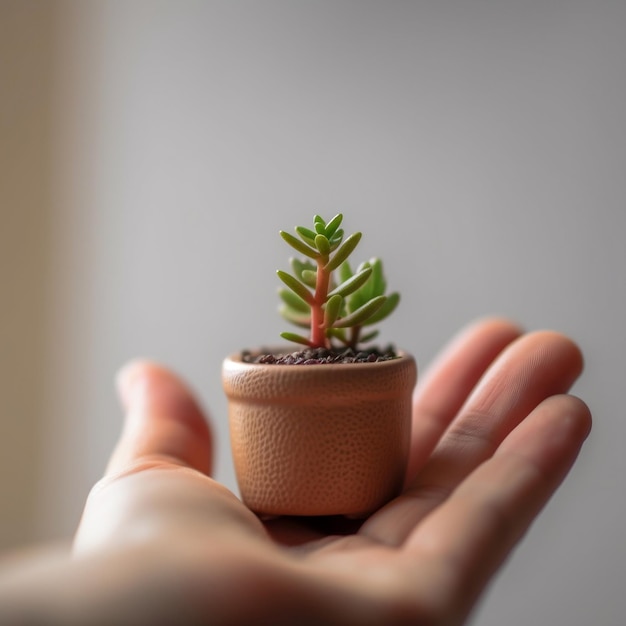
[(127, 378)]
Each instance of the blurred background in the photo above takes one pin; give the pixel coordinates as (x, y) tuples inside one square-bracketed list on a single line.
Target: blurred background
[(150, 151)]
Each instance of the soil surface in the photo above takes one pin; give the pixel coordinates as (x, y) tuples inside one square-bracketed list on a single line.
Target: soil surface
[(321, 356)]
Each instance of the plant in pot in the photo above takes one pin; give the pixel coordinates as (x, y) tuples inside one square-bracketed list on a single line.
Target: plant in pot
[(323, 430)]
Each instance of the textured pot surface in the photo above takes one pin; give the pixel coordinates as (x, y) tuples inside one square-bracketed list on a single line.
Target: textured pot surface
[(319, 439)]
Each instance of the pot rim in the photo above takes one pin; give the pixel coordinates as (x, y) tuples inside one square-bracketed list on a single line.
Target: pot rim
[(269, 382), (236, 357)]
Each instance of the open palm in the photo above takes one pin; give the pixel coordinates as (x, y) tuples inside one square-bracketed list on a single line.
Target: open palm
[(493, 436)]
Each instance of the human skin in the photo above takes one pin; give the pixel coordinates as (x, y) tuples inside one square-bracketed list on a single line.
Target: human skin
[(161, 542)]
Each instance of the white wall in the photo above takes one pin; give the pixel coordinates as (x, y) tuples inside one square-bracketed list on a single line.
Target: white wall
[(479, 145)]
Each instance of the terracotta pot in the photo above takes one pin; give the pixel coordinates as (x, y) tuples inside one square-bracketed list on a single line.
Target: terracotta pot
[(319, 439)]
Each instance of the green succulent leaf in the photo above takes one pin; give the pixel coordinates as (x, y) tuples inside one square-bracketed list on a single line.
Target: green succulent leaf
[(333, 225), (333, 308), (320, 228), (345, 271), (322, 244), (335, 242), (377, 284), (369, 336), (296, 286), (299, 319), (362, 266), (337, 236), (362, 295), (299, 266), (344, 251), (299, 245), (307, 235), (309, 277), (353, 283), (296, 338), (358, 317), (293, 301), (337, 333), (385, 310)]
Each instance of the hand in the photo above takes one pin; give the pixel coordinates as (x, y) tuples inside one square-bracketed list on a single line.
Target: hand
[(160, 542)]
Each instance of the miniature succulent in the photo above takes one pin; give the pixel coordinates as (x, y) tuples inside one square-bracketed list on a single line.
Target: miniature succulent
[(333, 309)]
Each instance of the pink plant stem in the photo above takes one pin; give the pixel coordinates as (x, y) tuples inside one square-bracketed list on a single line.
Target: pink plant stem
[(354, 336), (318, 331)]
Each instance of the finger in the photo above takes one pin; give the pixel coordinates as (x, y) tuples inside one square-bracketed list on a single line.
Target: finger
[(531, 369), (449, 380), (440, 394), (163, 421), (469, 536)]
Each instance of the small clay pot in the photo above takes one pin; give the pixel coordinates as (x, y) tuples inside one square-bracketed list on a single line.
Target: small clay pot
[(319, 439)]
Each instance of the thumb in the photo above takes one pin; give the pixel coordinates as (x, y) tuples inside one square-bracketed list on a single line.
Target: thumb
[(163, 421)]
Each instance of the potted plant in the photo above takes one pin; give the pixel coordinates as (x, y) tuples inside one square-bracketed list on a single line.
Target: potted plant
[(323, 430)]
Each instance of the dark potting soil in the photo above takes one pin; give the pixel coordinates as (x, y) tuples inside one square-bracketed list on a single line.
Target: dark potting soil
[(321, 356)]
